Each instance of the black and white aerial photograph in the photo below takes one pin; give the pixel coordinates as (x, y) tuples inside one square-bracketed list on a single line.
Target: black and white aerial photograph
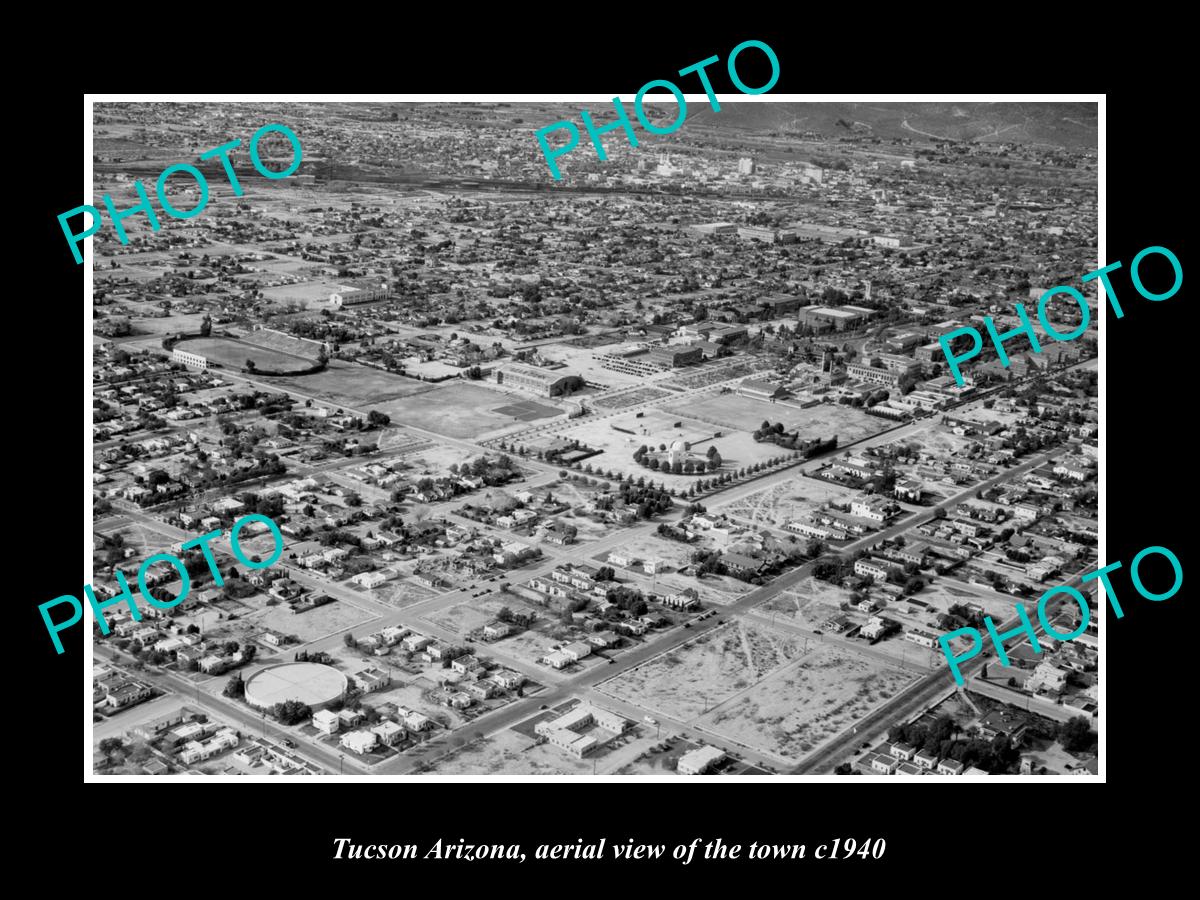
[(716, 456)]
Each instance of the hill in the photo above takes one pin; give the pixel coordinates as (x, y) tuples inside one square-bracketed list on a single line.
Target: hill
[(1067, 125)]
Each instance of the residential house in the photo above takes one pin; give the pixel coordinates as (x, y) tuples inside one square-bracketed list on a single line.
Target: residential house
[(360, 741), (326, 721)]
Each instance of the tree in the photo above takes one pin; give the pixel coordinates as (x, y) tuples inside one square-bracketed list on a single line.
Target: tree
[(235, 687), (1076, 735), (250, 367), (206, 326), (349, 640), (290, 712), (110, 747)]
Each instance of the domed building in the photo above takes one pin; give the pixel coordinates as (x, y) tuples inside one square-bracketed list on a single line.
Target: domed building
[(678, 459)]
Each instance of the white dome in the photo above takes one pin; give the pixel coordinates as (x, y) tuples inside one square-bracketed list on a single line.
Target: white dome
[(680, 447)]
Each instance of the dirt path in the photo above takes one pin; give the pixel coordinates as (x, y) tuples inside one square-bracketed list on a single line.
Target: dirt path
[(749, 655)]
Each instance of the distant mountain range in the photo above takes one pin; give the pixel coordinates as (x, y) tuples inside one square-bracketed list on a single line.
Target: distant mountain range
[(1068, 125)]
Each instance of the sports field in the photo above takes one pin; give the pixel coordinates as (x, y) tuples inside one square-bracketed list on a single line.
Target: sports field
[(526, 410), (459, 409), (234, 354), (353, 385), (748, 414), (313, 294)]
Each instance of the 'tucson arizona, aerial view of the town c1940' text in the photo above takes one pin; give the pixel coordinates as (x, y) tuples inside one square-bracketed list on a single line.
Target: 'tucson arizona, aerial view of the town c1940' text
[(657, 469)]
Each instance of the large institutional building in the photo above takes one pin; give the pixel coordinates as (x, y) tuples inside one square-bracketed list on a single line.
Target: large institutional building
[(543, 382), (564, 731)]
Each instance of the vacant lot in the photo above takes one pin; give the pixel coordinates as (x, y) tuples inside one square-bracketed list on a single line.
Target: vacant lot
[(467, 616), (809, 603), (401, 593), (945, 592), (143, 539), (801, 707), (698, 675), (647, 545), (314, 624), (529, 646), (937, 438), (787, 501)]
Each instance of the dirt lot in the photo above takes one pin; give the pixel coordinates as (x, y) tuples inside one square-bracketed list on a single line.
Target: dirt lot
[(729, 659), (401, 593), (647, 545), (713, 589), (466, 616), (145, 540), (529, 646), (809, 603), (315, 623), (937, 438), (799, 708), (945, 592), (788, 501)]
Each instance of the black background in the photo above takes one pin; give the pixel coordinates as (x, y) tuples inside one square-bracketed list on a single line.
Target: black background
[(955, 837)]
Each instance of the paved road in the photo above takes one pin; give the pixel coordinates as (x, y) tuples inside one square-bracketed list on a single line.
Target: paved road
[(1021, 699), (919, 695), (415, 615), (510, 715), (251, 722), (862, 647)]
